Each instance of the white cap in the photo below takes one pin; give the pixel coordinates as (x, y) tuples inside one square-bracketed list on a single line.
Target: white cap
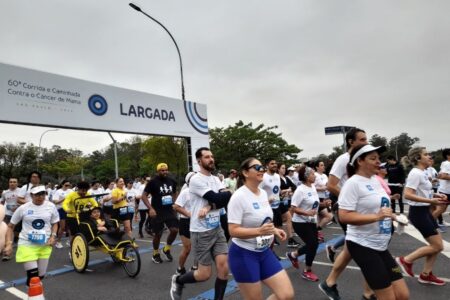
[(366, 149), (188, 177), (38, 189), (291, 168)]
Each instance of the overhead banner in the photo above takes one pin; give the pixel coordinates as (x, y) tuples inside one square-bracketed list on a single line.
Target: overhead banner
[(39, 98)]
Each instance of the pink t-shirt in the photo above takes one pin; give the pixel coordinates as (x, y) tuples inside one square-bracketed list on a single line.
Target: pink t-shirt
[(384, 185)]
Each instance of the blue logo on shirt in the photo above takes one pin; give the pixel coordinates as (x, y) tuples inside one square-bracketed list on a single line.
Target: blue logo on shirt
[(38, 224), (309, 194), (30, 212), (369, 187), (275, 189), (255, 205)]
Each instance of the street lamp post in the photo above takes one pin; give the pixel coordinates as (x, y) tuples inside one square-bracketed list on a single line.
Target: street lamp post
[(40, 141), (134, 6)]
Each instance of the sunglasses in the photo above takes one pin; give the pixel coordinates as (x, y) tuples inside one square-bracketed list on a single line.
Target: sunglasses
[(258, 168)]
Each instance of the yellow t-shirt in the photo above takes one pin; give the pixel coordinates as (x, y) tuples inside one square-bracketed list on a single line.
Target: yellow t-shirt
[(117, 194), (69, 203)]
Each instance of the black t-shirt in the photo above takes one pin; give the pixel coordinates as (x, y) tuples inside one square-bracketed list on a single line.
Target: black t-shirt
[(162, 190)]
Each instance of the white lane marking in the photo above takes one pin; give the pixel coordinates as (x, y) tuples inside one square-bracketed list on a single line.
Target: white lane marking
[(144, 241), (356, 268), (18, 293), (412, 231)]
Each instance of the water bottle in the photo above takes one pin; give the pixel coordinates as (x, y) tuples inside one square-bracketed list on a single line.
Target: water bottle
[(386, 223)]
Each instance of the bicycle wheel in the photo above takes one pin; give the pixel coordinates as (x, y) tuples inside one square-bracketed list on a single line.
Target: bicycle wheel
[(131, 261), (80, 253)]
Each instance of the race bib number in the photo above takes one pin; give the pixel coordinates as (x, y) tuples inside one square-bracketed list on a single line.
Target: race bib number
[(275, 203), (213, 219), (263, 242), (10, 207), (123, 210), (166, 200), (286, 201), (37, 237), (131, 209)]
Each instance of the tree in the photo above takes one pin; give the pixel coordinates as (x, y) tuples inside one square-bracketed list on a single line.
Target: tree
[(400, 145), (378, 141), (233, 144)]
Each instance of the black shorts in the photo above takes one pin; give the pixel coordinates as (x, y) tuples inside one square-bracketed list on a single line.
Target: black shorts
[(107, 210), (378, 267), (283, 208), (123, 213), (422, 219), (183, 228), (72, 224), (167, 217)]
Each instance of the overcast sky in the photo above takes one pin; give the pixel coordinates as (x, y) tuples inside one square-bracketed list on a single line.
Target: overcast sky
[(301, 65)]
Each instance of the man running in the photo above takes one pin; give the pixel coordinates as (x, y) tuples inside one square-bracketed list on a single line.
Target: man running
[(208, 239), (163, 191)]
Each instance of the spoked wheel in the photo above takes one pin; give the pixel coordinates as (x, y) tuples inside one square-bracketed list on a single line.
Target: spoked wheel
[(79, 251), (131, 261)]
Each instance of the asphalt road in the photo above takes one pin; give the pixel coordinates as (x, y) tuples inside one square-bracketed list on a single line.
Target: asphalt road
[(107, 280)]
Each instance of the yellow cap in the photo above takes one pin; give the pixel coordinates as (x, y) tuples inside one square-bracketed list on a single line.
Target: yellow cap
[(160, 166)]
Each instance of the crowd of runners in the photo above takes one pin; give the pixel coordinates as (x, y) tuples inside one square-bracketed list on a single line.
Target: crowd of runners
[(234, 222)]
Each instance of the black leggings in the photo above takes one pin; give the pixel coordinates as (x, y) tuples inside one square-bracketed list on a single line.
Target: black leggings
[(308, 233), (143, 217)]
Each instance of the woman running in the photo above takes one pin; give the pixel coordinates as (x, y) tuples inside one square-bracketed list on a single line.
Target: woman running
[(305, 205), (365, 206), (121, 209), (39, 230), (58, 199), (419, 192), (250, 222)]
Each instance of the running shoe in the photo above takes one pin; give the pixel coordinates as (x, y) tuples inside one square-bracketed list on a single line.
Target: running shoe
[(176, 289), (180, 271), (194, 268), (157, 259), (68, 243), (309, 275), (59, 245), (331, 292), (446, 224), (294, 260), (292, 243), (167, 254), (320, 237), (330, 253), (6, 257), (441, 228), (405, 266), (430, 279)]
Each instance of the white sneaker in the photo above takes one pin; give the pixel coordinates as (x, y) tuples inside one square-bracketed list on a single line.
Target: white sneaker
[(59, 245), (68, 243), (446, 224)]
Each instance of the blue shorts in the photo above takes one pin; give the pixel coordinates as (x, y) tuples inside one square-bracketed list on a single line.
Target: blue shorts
[(62, 214), (251, 266)]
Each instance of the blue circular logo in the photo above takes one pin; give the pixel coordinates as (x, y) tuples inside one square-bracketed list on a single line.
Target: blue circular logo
[(275, 189), (38, 224), (97, 105)]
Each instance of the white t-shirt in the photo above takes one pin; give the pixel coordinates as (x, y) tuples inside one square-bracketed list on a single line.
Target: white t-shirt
[(339, 168), (418, 180), (184, 200), (109, 202), (271, 184), (230, 183), (37, 222), (321, 181), (24, 192), (142, 205), (250, 211), (97, 192), (9, 197), (199, 185), (305, 198), (444, 184), (366, 196), (60, 195)]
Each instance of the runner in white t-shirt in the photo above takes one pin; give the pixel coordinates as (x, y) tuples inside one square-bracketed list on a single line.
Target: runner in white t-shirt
[(34, 179), (419, 192), (39, 225), (9, 200), (183, 207), (207, 236), (365, 206), (325, 215), (443, 184), (58, 198), (305, 205), (250, 221)]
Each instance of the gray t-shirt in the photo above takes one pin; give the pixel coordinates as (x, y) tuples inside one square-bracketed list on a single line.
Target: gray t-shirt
[(199, 185), (37, 222), (250, 211), (366, 196)]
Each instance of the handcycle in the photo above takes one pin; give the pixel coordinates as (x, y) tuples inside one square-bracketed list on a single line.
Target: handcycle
[(122, 251)]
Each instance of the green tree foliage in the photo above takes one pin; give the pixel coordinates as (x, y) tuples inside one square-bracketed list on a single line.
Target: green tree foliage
[(233, 144), (401, 144)]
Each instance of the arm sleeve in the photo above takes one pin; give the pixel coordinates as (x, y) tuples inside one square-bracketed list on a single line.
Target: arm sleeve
[(235, 210), (55, 216), (220, 199), (17, 215), (413, 181), (348, 198)]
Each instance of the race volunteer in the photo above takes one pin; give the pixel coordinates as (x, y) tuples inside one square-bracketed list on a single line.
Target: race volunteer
[(39, 225)]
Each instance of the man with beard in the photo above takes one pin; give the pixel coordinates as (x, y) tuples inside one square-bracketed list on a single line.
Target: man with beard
[(163, 191), (209, 244)]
